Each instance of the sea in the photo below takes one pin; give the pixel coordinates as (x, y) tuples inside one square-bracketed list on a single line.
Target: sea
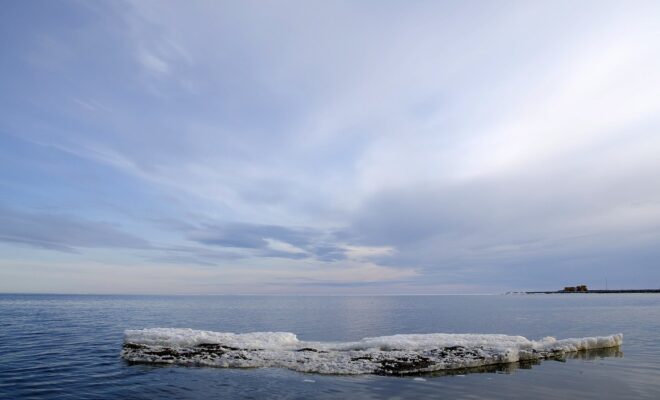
[(68, 346)]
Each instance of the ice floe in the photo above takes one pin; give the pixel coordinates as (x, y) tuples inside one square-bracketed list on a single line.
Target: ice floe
[(397, 354)]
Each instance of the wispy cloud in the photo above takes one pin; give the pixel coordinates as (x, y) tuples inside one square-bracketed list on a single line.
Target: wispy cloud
[(63, 232), (153, 63)]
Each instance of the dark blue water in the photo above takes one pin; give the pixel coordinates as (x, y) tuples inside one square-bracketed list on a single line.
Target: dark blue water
[(59, 346)]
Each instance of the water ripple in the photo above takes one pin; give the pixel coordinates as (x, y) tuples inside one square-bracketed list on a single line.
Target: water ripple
[(67, 347)]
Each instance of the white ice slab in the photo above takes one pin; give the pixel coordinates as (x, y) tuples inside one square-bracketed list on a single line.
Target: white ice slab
[(397, 354)]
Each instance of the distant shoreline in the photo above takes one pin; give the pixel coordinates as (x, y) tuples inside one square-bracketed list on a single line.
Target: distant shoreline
[(596, 291)]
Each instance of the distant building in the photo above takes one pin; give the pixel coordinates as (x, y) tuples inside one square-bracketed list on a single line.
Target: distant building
[(576, 289)]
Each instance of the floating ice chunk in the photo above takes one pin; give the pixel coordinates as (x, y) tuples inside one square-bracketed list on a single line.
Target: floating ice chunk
[(397, 354)]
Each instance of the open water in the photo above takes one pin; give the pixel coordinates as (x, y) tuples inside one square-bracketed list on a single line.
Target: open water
[(68, 346)]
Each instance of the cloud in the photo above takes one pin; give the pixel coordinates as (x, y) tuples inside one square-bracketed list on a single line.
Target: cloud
[(153, 63), (63, 232), (518, 227), (284, 247), (246, 240), (469, 144), (271, 240), (252, 236)]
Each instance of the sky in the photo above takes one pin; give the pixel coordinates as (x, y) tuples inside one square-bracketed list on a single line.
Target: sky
[(329, 147)]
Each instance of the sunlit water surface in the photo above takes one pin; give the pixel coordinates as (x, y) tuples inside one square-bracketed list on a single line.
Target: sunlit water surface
[(60, 346)]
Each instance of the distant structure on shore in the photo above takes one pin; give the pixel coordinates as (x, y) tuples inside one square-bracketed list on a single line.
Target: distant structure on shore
[(584, 289), (575, 289)]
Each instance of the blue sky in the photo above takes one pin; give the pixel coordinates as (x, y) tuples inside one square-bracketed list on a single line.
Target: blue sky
[(318, 147)]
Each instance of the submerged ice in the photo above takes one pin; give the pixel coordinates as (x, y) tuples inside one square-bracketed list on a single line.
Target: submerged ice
[(397, 354)]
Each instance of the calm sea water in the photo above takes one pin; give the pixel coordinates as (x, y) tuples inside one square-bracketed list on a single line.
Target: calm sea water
[(60, 346)]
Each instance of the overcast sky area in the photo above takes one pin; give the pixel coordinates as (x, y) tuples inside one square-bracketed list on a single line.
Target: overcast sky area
[(329, 147)]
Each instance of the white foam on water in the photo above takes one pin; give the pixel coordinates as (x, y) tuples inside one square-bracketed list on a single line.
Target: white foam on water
[(397, 354)]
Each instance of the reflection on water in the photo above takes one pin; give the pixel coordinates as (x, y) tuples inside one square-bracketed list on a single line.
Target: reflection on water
[(595, 353), (511, 368)]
